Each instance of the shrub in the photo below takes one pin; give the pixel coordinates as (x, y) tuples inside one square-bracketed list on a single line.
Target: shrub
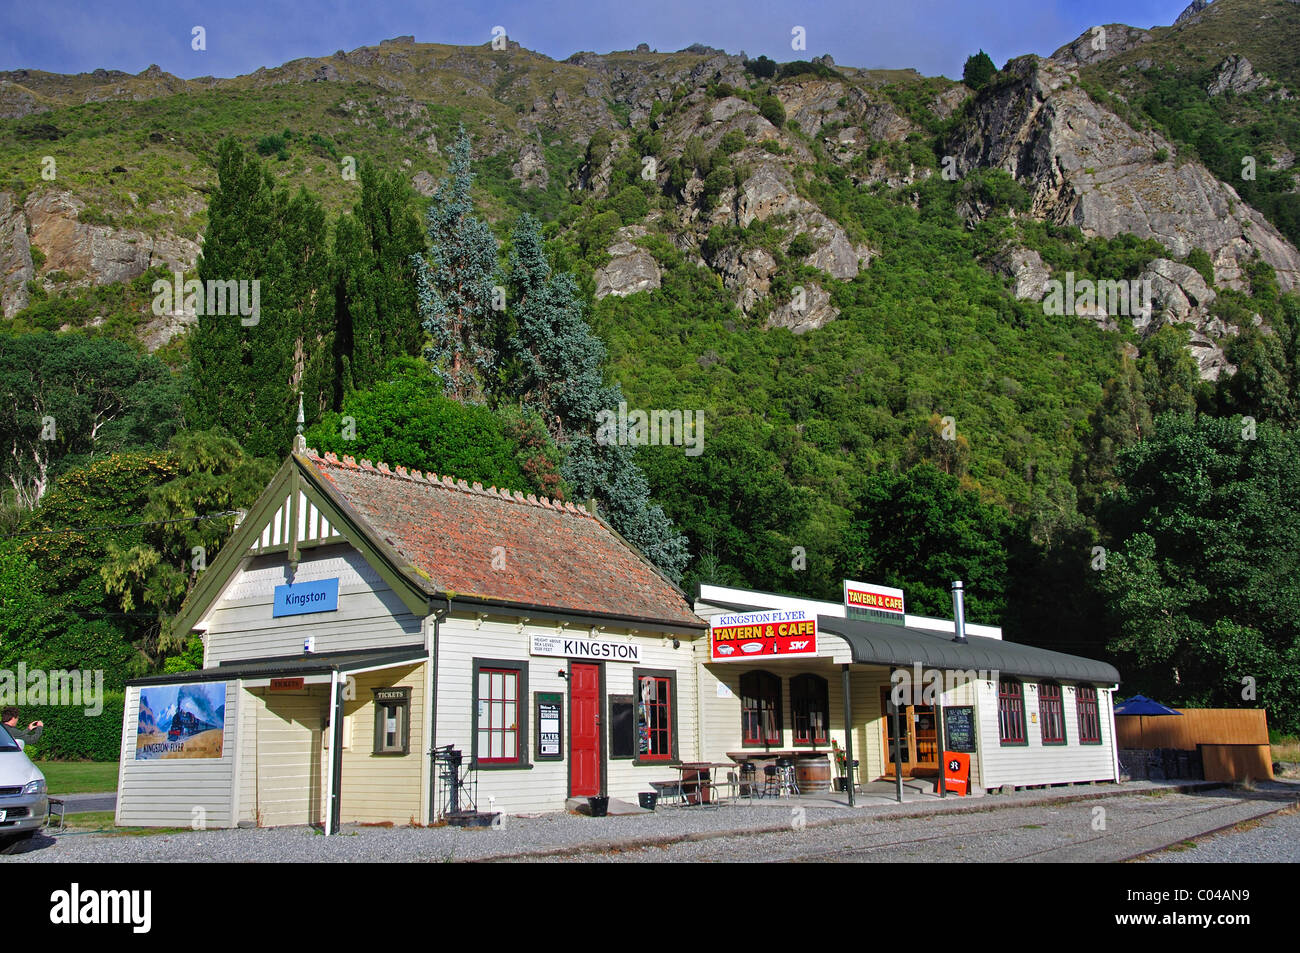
[(801, 246), (770, 108), (270, 145), (631, 205), (72, 735), (732, 142)]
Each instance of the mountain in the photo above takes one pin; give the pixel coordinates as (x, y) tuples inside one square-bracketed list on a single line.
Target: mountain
[(146, 723), (848, 271)]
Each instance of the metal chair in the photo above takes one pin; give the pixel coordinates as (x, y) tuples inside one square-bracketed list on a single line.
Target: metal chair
[(771, 781), (787, 784), (748, 779)]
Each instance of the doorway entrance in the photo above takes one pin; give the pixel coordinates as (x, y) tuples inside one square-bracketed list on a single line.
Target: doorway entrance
[(585, 762), (918, 742)]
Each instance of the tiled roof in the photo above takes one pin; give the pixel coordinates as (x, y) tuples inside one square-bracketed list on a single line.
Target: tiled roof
[(556, 555)]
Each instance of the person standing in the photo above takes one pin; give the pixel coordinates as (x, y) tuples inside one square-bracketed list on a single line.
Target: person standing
[(33, 732)]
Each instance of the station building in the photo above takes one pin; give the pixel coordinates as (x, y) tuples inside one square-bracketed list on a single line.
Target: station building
[(362, 620)]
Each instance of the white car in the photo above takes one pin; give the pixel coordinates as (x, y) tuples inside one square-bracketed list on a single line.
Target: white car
[(23, 801)]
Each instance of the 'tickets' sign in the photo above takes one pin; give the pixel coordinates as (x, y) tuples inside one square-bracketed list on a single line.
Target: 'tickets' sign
[(863, 595), (755, 635)]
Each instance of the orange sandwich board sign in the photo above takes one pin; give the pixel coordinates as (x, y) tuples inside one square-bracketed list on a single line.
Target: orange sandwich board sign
[(773, 633), (956, 772)]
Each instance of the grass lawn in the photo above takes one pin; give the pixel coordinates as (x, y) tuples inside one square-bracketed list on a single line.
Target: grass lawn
[(103, 821), (79, 777)]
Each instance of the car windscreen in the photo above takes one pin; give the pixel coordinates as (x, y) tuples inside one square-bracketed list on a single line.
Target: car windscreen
[(7, 742)]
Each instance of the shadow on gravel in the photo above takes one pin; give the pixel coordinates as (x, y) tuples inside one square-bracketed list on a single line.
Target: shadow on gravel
[(27, 845)]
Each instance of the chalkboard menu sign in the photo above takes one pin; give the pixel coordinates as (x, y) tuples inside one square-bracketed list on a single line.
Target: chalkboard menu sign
[(959, 728), (550, 722)]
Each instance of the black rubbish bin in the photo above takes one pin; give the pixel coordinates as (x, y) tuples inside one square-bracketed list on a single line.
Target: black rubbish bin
[(599, 806), (648, 799)]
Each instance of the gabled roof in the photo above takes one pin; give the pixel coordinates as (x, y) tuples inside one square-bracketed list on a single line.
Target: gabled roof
[(449, 535)]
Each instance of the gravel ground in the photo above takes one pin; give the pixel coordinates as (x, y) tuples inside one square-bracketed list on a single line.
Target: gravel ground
[(1005, 827), (1273, 840), (1060, 833)]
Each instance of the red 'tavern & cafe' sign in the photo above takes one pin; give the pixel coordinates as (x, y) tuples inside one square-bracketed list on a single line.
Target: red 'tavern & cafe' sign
[(769, 634)]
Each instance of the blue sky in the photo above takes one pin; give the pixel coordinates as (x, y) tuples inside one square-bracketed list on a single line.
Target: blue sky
[(930, 35)]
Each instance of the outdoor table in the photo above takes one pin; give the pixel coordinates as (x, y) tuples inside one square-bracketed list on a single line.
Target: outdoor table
[(703, 781)]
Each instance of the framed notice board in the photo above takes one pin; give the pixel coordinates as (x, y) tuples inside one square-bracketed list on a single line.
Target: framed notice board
[(548, 711), (622, 729), (959, 728)]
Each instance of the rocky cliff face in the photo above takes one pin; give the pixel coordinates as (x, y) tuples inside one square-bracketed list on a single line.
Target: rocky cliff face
[(1085, 166), (1081, 163)]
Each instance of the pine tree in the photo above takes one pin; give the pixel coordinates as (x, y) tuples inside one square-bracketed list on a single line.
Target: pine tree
[(557, 356), (454, 285), (558, 359), (374, 282)]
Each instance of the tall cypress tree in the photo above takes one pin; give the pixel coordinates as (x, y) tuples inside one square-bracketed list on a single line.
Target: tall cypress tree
[(247, 377), (374, 282), (454, 283)]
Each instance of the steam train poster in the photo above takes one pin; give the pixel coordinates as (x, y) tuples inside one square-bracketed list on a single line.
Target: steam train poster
[(181, 721)]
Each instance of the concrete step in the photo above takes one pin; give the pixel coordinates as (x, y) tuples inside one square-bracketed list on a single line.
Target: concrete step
[(617, 808)]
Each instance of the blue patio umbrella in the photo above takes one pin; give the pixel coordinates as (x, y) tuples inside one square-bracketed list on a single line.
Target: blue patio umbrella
[(1141, 705)]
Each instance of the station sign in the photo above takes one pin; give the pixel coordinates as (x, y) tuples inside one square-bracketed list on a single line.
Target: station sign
[(773, 633), (572, 646), (319, 595)]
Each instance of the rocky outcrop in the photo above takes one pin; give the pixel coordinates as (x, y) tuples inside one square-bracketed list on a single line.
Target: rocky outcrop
[(1236, 75), (530, 169), (747, 272), (1026, 267), (630, 269), (98, 253), (1179, 295), (1087, 167), (424, 183), (1100, 44), (15, 257), (811, 312), (1192, 14)]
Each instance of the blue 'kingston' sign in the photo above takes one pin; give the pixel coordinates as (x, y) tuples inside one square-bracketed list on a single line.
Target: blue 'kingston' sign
[(321, 595)]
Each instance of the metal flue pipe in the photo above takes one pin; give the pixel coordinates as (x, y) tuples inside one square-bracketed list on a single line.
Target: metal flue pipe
[(959, 611)]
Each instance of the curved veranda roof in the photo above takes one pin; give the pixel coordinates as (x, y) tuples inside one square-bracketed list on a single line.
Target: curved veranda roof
[(879, 643)]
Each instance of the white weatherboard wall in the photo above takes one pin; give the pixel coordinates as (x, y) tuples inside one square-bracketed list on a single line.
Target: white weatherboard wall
[(1035, 762), (178, 792), (383, 787), (370, 615), (545, 785)]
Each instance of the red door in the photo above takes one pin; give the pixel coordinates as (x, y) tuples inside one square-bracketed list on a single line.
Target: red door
[(584, 729)]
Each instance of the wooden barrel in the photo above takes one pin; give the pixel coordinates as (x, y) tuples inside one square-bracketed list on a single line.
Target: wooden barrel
[(813, 774)]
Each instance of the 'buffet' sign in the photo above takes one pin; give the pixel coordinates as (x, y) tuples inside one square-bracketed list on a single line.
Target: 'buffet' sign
[(756, 635)]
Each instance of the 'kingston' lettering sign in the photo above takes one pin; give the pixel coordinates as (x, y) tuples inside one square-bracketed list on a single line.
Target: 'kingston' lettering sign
[(566, 646), (319, 595)]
